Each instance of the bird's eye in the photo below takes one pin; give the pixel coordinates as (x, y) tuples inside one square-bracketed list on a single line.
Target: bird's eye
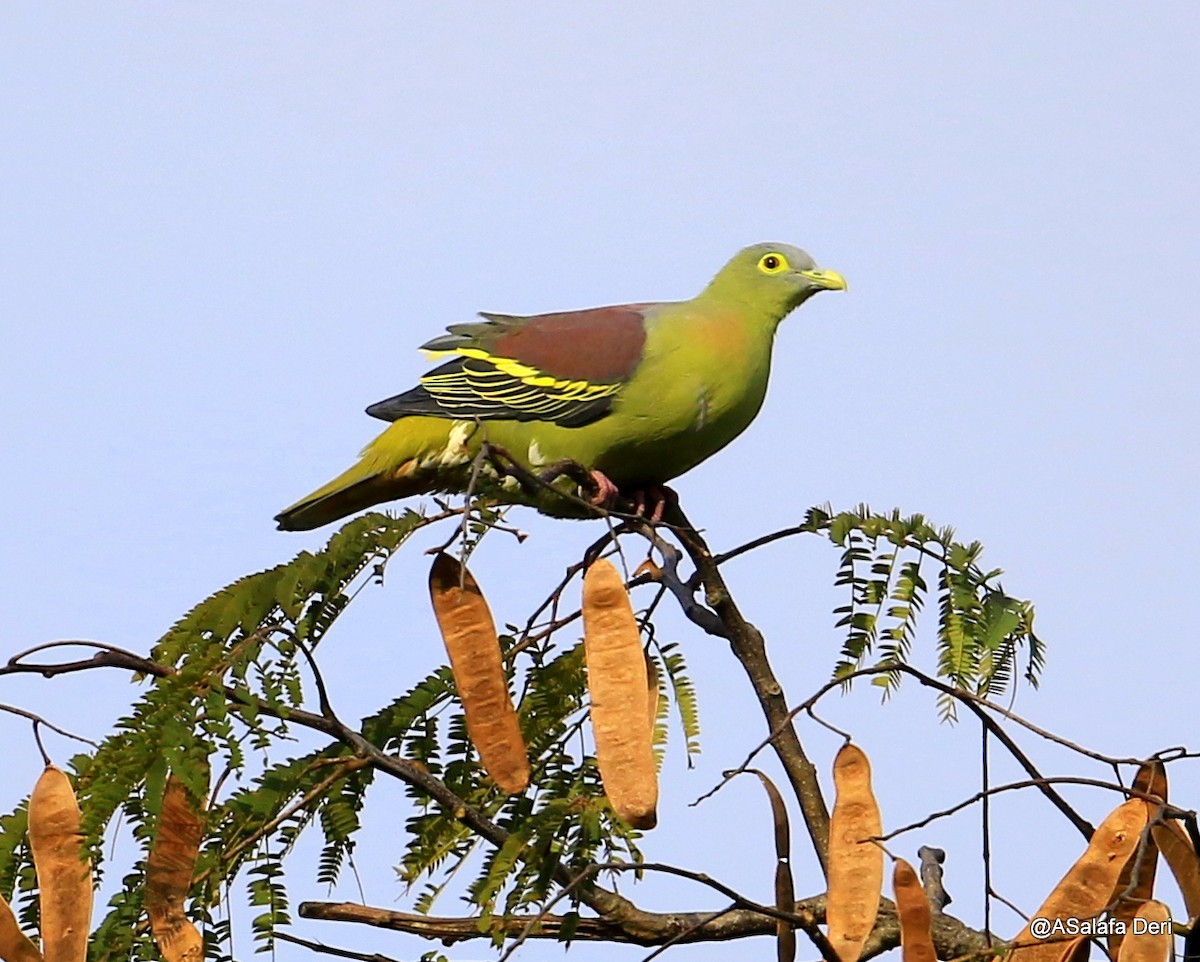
[(772, 263)]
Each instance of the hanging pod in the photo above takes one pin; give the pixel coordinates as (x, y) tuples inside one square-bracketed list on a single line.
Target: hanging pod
[(169, 869), (63, 870), (619, 687), (855, 864), (1088, 887), (474, 649)]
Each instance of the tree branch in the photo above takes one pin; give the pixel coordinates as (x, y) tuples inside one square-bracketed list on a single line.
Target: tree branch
[(952, 938), (750, 650), (602, 900)]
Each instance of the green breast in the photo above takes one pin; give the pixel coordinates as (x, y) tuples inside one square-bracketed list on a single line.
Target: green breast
[(701, 382)]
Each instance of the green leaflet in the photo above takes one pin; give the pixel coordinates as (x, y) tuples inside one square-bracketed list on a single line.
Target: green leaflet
[(683, 692), (981, 630)]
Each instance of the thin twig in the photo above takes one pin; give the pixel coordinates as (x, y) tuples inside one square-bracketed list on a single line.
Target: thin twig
[(1010, 787), (985, 815), (976, 704), (332, 950), (38, 720)]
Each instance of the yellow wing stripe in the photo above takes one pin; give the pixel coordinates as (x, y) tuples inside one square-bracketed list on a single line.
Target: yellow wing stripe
[(510, 384), (505, 364)]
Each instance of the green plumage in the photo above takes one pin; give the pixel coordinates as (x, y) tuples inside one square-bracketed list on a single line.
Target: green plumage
[(639, 393)]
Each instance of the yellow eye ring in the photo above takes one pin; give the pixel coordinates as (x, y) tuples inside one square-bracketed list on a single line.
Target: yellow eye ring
[(773, 263)]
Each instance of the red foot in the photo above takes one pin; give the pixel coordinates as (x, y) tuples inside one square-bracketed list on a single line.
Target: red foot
[(656, 498), (606, 492), (649, 502)]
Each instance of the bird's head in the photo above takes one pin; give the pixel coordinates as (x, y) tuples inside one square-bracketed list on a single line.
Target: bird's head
[(773, 278)]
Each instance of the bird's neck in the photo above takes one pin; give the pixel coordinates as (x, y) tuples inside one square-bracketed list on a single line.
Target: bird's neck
[(725, 298)]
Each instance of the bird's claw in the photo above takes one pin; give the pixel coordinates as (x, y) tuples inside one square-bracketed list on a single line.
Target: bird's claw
[(655, 498), (606, 493), (649, 502)]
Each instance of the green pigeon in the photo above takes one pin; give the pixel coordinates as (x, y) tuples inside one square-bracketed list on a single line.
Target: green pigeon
[(637, 393)]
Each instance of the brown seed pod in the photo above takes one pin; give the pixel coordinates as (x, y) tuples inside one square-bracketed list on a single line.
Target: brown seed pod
[(1087, 888), (63, 870), (1176, 848), (1128, 897), (1153, 943), (1079, 949), (474, 649), (785, 901), (855, 865), (618, 686), (916, 934), (15, 945), (169, 869)]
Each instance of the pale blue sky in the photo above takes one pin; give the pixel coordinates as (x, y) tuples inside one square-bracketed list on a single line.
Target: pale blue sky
[(225, 228)]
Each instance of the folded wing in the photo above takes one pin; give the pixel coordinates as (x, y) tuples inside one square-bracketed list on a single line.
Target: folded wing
[(566, 368)]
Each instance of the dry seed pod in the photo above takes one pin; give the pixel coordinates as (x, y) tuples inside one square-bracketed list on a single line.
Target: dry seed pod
[(916, 934), (64, 874), (470, 636), (1151, 778), (15, 946), (618, 686), (785, 901), (855, 865), (1077, 950), (169, 870), (1176, 848), (1153, 942), (1086, 889), (785, 892), (1143, 863)]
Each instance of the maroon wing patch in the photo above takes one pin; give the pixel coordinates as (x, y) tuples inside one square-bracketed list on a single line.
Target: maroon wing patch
[(602, 345), (566, 368)]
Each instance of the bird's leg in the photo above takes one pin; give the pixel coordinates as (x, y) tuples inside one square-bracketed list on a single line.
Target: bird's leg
[(649, 502), (656, 497), (606, 492), (660, 497), (638, 498)]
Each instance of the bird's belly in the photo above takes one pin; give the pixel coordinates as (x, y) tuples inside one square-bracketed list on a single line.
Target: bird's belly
[(668, 421), (665, 443)]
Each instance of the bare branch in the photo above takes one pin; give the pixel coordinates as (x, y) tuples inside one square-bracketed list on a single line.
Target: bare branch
[(952, 938), (750, 650), (1012, 787), (332, 950), (977, 705), (38, 720), (109, 656)]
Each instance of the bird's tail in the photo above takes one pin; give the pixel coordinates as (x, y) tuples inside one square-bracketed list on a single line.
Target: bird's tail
[(344, 495), (416, 455)]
